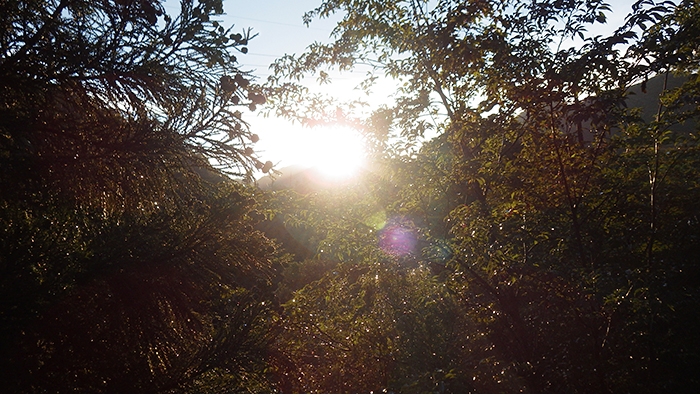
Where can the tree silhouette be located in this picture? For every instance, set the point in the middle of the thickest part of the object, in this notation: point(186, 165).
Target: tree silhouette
point(128, 258)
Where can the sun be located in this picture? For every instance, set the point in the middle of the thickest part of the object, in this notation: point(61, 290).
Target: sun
point(335, 151)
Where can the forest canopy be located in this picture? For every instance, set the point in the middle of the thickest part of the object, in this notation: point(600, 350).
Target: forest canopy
point(529, 222)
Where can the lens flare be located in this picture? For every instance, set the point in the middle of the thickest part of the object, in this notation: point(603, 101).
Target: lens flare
point(397, 240)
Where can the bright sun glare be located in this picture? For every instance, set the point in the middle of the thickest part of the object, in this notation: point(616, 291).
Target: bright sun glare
point(335, 151)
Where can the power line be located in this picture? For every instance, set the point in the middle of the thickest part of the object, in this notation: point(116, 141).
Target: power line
point(263, 54)
point(279, 23)
point(176, 8)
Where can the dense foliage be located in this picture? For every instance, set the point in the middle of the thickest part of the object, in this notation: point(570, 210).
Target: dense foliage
point(127, 262)
point(530, 221)
point(545, 227)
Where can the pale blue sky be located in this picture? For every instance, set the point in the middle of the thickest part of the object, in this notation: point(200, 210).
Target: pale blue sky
point(279, 27)
point(280, 30)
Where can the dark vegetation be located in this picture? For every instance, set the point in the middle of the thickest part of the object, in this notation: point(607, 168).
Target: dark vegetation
point(530, 224)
